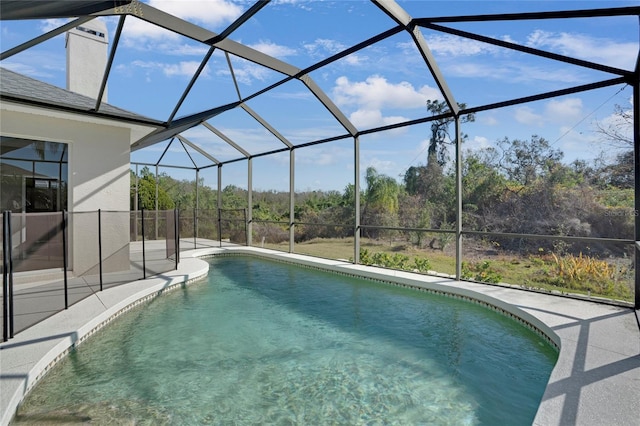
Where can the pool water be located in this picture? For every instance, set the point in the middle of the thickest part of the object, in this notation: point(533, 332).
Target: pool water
point(261, 342)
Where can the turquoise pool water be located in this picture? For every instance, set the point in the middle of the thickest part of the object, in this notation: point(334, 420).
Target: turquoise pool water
point(267, 343)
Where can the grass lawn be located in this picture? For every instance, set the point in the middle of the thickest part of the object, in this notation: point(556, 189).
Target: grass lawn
point(539, 272)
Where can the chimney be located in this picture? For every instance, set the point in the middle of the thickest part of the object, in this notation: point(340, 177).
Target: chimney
point(87, 58)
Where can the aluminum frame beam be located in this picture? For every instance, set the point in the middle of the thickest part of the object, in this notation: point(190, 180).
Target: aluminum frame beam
point(198, 149)
point(398, 14)
point(636, 177)
point(44, 37)
point(179, 126)
point(227, 139)
point(563, 14)
point(38, 9)
point(112, 54)
point(529, 50)
point(266, 125)
point(179, 26)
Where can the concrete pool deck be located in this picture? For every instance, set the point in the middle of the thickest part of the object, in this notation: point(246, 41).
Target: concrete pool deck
point(596, 380)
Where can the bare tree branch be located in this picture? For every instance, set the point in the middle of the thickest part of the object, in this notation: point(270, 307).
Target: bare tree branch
point(618, 131)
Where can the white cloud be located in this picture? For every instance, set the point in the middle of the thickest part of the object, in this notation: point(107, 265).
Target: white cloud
point(355, 59)
point(526, 73)
point(567, 112)
point(369, 118)
point(369, 97)
point(183, 49)
point(422, 147)
point(209, 12)
point(183, 68)
point(142, 35)
point(526, 115)
point(477, 142)
point(617, 123)
point(600, 50)
point(246, 72)
point(34, 71)
point(302, 95)
point(563, 110)
point(47, 25)
point(472, 69)
point(273, 49)
point(451, 45)
point(376, 92)
point(382, 166)
point(322, 47)
point(323, 155)
point(287, 1)
point(513, 72)
point(489, 120)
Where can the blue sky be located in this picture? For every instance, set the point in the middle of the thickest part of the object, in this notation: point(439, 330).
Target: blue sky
point(382, 84)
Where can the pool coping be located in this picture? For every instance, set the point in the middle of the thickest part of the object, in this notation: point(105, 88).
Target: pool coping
point(595, 381)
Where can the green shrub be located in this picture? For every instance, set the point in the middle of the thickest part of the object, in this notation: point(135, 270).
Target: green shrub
point(422, 264)
point(481, 272)
point(365, 257)
point(394, 261)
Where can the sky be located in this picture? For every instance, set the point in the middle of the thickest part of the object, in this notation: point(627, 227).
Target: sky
point(382, 84)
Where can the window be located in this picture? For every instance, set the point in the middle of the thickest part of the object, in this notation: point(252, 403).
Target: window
point(33, 175)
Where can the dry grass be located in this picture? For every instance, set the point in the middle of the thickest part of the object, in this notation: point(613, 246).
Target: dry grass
point(530, 272)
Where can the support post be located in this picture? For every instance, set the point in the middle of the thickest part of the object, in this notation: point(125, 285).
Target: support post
point(195, 228)
point(10, 293)
point(636, 154)
point(356, 190)
point(249, 215)
point(219, 204)
point(458, 199)
point(144, 264)
point(157, 196)
point(6, 273)
point(100, 245)
point(64, 258)
point(176, 234)
point(135, 208)
point(292, 205)
point(246, 227)
point(195, 211)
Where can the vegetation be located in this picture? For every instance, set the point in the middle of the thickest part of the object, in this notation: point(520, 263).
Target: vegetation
point(516, 186)
point(394, 261)
point(480, 271)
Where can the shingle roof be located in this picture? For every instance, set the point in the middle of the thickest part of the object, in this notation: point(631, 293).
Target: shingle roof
point(22, 87)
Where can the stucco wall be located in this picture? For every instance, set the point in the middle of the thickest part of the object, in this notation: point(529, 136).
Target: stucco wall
point(87, 58)
point(98, 178)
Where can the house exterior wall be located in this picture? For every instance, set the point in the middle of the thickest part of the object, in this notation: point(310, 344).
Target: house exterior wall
point(98, 178)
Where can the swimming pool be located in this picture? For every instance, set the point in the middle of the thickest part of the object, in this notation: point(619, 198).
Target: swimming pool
point(265, 342)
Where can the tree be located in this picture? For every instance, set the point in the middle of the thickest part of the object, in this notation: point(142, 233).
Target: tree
point(380, 205)
point(147, 192)
point(618, 130)
point(525, 161)
point(233, 197)
point(621, 173)
point(482, 185)
point(428, 180)
point(382, 192)
point(440, 135)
